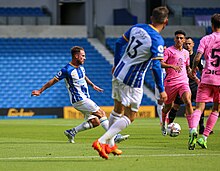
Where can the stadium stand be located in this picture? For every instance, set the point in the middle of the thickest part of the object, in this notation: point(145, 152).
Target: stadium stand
point(21, 11)
point(190, 12)
point(24, 16)
point(28, 63)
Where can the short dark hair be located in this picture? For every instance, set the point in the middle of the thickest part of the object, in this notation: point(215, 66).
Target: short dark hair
point(215, 20)
point(189, 38)
point(159, 14)
point(75, 50)
point(180, 32)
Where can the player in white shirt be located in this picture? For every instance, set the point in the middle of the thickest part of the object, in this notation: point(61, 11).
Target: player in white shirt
point(77, 86)
point(144, 45)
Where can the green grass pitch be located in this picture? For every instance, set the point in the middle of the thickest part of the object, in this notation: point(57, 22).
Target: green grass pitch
point(40, 145)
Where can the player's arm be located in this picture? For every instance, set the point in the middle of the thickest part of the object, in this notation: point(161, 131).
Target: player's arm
point(121, 41)
point(196, 61)
point(158, 76)
point(89, 82)
point(190, 75)
point(165, 65)
point(45, 86)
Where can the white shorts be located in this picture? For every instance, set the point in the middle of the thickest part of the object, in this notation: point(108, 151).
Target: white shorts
point(86, 107)
point(127, 95)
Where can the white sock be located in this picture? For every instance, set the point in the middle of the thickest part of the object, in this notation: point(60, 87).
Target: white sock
point(204, 137)
point(117, 127)
point(111, 142)
point(84, 126)
point(159, 112)
point(192, 130)
point(104, 122)
point(113, 117)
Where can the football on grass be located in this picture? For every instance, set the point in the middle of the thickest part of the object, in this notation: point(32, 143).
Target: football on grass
point(173, 129)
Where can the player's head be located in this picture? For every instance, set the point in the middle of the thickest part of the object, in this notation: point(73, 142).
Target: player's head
point(78, 54)
point(215, 20)
point(179, 38)
point(189, 44)
point(160, 16)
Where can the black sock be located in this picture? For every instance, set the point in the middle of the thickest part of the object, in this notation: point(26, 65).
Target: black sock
point(201, 121)
point(172, 115)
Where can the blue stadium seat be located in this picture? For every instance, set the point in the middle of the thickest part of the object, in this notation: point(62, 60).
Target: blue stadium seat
point(21, 11)
point(190, 12)
point(28, 63)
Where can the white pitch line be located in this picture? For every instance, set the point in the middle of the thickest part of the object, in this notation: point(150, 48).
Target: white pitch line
point(88, 157)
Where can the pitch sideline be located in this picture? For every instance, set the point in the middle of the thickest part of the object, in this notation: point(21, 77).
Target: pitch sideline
point(88, 157)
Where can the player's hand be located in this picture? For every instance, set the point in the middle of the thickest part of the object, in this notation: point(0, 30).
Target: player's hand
point(97, 88)
point(177, 68)
point(36, 93)
point(193, 72)
point(163, 96)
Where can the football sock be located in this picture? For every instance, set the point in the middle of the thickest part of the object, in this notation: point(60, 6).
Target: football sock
point(201, 121)
point(83, 126)
point(159, 112)
point(163, 117)
point(189, 121)
point(195, 118)
point(104, 122)
point(118, 126)
point(204, 137)
point(172, 115)
point(111, 142)
point(113, 117)
point(211, 121)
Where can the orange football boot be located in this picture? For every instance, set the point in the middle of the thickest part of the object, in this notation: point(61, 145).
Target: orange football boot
point(100, 148)
point(114, 150)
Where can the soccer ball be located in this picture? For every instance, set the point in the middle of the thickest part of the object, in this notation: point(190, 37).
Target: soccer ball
point(173, 129)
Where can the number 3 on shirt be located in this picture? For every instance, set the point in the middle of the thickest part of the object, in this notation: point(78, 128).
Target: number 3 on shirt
point(134, 48)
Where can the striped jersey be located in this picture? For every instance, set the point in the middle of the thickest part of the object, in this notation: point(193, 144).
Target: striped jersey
point(144, 44)
point(75, 82)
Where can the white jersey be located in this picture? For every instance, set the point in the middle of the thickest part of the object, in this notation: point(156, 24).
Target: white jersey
point(75, 82)
point(144, 44)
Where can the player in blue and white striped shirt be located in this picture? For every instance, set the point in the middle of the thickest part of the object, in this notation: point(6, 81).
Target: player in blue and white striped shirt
point(144, 45)
point(77, 86)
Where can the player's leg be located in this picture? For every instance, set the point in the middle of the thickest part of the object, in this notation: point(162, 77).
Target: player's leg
point(195, 121)
point(160, 104)
point(159, 107)
point(201, 124)
point(174, 109)
point(101, 145)
point(90, 123)
point(201, 97)
point(193, 99)
point(98, 117)
point(211, 121)
point(171, 95)
point(186, 97)
point(116, 112)
point(165, 111)
point(131, 99)
point(185, 94)
point(114, 116)
point(213, 117)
